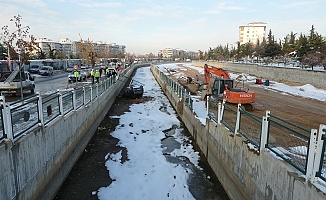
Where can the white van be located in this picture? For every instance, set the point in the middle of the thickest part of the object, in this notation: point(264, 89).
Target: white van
point(46, 71)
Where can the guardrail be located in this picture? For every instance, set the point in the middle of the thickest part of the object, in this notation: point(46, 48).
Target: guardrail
point(18, 118)
point(180, 90)
point(302, 148)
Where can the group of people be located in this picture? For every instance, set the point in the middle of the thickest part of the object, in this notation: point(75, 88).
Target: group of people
point(96, 74)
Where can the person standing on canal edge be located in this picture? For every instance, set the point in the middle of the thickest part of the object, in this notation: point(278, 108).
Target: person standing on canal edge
point(92, 75)
point(76, 74)
point(97, 76)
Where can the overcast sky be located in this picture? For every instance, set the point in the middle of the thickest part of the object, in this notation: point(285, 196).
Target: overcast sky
point(145, 26)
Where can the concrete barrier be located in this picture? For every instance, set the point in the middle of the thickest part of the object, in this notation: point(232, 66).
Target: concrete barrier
point(315, 78)
point(243, 172)
point(35, 166)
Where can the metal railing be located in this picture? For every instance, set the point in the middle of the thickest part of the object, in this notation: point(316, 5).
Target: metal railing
point(304, 149)
point(322, 166)
point(50, 107)
point(23, 115)
point(250, 126)
point(80, 98)
point(180, 90)
point(2, 133)
point(288, 141)
point(19, 117)
point(229, 117)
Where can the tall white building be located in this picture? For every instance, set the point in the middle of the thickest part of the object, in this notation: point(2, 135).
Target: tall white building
point(253, 32)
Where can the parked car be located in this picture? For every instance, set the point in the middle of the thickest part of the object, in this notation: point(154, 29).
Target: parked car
point(46, 71)
point(70, 69)
point(72, 78)
point(34, 69)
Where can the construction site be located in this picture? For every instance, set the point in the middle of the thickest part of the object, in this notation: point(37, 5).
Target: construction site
point(303, 111)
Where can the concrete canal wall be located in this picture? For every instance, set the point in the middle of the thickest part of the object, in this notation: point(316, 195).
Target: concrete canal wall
point(315, 78)
point(35, 166)
point(243, 173)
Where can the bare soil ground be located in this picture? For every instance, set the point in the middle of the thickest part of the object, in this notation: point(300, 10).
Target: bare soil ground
point(305, 112)
point(90, 173)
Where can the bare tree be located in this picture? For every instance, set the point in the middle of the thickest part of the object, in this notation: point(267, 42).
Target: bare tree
point(87, 50)
point(19, 43)
point(323, 63)
point(312, 59)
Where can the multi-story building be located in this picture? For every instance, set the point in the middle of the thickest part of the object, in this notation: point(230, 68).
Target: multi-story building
point(177, 53)
point(116, 49)
point(68, 47)
point(252, 33)
point(168, 53)
point(45, 45)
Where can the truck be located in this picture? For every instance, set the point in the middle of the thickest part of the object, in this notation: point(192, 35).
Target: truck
point(11, 82)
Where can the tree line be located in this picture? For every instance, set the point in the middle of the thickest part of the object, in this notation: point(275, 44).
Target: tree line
point(309, 50)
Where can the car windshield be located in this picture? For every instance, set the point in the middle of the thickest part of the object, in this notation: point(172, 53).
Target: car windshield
point(44, 68)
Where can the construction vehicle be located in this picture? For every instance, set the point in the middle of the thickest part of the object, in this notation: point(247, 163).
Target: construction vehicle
point(222, 87)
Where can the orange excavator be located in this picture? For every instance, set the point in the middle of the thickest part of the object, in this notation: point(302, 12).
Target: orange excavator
point(222, 88)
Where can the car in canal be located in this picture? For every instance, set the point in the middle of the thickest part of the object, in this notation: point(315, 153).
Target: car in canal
point(134, 90)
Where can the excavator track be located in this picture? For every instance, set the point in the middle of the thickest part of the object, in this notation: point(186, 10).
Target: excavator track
point(248, 107)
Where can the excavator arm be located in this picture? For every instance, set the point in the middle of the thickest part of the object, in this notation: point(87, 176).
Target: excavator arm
point(208, 70)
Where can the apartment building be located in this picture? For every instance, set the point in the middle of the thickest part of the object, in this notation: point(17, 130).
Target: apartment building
point(177, 53)
point(252, 33)
point(46, 45)
point(69, 47)
point(168, 53)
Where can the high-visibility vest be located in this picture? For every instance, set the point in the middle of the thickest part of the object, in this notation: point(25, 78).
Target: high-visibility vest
point(92, 73)
point(97, 74)
point(76, 73)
